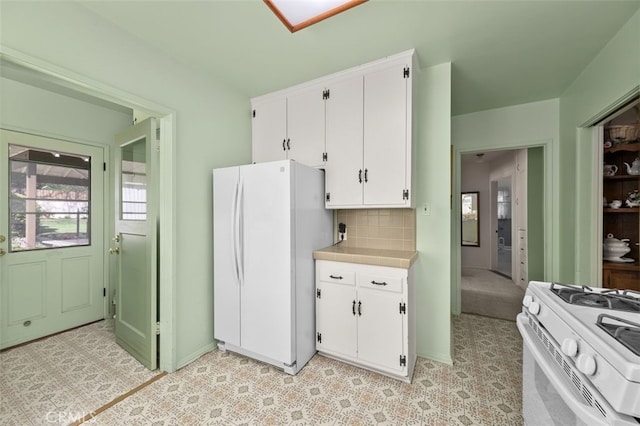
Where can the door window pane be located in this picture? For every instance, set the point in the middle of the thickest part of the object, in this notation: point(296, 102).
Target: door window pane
point(49, 205)
point(133, 191)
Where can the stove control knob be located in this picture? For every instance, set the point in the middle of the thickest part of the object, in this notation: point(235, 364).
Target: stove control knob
point(569, 347)
point(586, 364)
point(534, 308)
point(527, 300)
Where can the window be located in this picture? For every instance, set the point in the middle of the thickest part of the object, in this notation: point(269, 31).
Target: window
point(49, 199)
point(133, 189)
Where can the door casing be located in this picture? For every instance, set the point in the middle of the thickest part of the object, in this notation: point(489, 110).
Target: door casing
point(167, 165)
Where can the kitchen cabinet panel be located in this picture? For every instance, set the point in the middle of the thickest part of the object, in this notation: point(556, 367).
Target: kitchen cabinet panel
point(344, 116)
point(380, 315)
point(338, 332)
point(269, 130)
point(306, 126)
point(289, 127)
point(356, 124)
point(365, 324)
point(386, 137)
point(377, 172)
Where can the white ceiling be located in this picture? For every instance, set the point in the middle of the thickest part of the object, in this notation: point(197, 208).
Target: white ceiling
point(503, 52)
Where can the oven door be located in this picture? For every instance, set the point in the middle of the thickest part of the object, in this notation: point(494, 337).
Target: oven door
point(553, 392)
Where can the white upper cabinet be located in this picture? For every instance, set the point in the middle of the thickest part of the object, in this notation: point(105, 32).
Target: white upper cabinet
point(343, 168)
point(289, 127)
point(269, 130)
point(356, 124)
point(305, 126)
point(387, 137)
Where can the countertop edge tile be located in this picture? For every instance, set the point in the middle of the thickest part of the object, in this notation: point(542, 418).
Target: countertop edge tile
point(380, 257)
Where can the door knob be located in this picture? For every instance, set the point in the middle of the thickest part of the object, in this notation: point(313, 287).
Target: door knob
point(3, 238)
point(2, 252)
point(114, 250)
point(117, 238)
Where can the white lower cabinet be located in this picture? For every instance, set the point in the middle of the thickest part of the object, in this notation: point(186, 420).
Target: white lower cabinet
point(365, 316)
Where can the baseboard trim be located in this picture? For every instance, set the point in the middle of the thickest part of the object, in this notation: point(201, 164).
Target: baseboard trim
point(183, 362)
point(438, 358)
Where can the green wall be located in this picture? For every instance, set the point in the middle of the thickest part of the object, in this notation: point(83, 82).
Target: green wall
point(611, 76)
point(528, 125)
point(212, 124)
point(433, 238)
point(535, 213)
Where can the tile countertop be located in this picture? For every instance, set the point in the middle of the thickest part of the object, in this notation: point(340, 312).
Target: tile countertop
point(381, 257)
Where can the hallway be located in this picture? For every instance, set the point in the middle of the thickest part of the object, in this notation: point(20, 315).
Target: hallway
point(489, 294)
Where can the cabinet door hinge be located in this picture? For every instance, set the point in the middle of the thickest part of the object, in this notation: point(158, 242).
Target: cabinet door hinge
point(158, 328)
point(104, 167)
point(403, 360)
point(319, 337)
point(104, 292)
point(403, 308)
point(327, 196)
point(253, 113)
point(405, 194)
point(405, 72)
point(318, 294)
point(324, 156)
point(326, 94)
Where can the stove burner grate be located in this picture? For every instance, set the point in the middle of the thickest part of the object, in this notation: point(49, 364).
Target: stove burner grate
point(617, 300)
point(627, 332)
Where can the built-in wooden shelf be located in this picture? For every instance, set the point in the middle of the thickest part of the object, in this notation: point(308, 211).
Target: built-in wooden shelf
point(622, 177)
point(631, 146)
point(619, 266)
point(622, 210)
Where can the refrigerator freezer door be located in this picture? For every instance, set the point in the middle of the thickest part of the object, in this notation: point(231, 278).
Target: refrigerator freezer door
point(226, 291)
point(267, 292)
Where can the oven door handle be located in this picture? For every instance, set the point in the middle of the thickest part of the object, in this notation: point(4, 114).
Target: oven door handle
point(581, 409)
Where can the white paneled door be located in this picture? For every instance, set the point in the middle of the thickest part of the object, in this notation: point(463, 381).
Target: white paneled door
point(135, 243)
point(51, 236)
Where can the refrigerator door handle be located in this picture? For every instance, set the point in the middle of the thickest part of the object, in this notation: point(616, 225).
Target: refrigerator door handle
point(236, 230)
point(239, 249)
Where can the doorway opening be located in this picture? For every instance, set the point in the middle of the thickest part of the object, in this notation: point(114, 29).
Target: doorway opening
point(38, 73)
point(510, 188)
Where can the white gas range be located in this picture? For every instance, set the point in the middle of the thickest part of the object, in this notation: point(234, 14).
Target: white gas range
point(581, 355)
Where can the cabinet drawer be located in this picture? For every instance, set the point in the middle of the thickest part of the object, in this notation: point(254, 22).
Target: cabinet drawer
point(380, 282)
point(333, 273)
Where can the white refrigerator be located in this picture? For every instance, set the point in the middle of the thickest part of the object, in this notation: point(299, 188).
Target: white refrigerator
point(268, 218)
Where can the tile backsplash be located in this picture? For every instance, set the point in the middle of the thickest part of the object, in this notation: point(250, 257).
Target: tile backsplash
point(392, 229)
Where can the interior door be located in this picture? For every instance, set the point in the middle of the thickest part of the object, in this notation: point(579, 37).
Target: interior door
point(51, 236)
point(135, 242)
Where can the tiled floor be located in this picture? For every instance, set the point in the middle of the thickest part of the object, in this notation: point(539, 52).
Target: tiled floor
point(62, 378)
point(482, 388)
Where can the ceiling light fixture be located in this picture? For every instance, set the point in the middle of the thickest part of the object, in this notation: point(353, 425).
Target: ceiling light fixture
point(299, 14)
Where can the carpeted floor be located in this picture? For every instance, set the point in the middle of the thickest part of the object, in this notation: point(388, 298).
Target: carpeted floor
point(489, 294)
